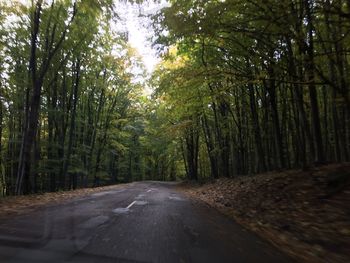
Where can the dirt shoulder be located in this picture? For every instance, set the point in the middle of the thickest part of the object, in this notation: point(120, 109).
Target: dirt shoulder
point(15, 205)
point(304, 213)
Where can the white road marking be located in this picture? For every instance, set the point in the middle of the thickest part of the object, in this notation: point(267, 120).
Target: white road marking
point(125, 210)
point(150, 190)
point(130, 205)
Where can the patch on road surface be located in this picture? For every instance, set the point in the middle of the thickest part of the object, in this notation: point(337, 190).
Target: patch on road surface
point(94, 222)
point(107, 193)
point(176, 198)
point(121, 210)
point(141, 202)
point(140, 196)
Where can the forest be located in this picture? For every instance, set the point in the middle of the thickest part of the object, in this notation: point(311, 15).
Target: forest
point(243, 87)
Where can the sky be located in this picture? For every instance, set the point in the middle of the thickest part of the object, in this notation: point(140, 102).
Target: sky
point(139, 28)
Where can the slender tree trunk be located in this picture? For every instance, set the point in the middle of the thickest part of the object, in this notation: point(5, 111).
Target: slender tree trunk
point(225, 138)
point(279, 145)
point(184, 157)
point(2, 170)
point(65, 107)
point(1, 122)
point(210, 147)
point(297, 94)
point(256, 129)
point(192, 146)
point(72, 126)
point(310, 69)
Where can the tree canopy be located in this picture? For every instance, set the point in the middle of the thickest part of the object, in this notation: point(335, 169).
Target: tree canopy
point(256, 86)
point(243, 87)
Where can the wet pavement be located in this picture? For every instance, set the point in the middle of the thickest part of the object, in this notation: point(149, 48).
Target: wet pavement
point(141, 222)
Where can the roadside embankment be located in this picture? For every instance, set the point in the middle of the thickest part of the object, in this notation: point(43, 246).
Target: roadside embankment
point(304, 213)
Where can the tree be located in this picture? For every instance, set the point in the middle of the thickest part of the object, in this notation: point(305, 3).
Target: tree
point(69, 92)
point(260, 68)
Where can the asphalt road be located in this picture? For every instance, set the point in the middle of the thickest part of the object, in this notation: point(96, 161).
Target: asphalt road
point(141, 222)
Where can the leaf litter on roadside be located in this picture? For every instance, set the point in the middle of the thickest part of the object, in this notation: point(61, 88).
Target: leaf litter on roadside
point(305, 213)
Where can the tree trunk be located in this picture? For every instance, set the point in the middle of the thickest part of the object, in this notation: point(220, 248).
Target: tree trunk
point(210, 147)
point(72, 127)
point(192, 146)
point(32, 113)
point(310, 69)
point(256, 129)
point(271, 88)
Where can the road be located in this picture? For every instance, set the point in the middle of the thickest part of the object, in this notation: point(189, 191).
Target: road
point(139, 222)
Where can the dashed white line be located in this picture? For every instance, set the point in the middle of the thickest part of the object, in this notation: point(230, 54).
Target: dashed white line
point(140, 196)
point(130, 205)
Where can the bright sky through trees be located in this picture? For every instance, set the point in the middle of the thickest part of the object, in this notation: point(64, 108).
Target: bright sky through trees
point(135, 20)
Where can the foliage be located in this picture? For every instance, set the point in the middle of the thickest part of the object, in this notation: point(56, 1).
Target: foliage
point(243, 87)
point(255, 86)
point(63, 60)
